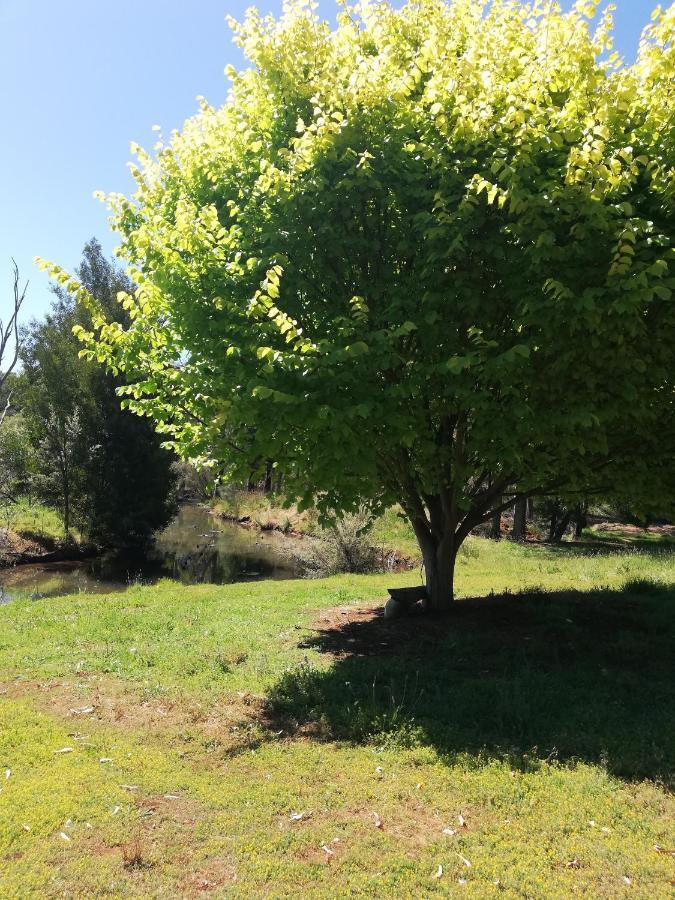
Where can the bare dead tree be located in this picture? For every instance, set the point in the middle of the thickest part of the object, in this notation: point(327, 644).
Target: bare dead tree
point(9, 338)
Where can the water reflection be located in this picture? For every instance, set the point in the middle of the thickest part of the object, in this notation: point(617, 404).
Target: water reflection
point(195, 548)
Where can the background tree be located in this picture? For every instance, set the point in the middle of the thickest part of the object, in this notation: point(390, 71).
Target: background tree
point(425, 257)
point(17, 460)
point(101, 466)
point(10, 344)
point(53, 398)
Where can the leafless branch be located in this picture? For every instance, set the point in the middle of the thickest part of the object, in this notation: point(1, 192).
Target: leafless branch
point(9, 337)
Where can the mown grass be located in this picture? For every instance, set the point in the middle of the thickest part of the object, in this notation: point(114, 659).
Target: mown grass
point(542, 716)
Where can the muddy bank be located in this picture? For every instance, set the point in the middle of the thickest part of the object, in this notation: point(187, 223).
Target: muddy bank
point(27, 548)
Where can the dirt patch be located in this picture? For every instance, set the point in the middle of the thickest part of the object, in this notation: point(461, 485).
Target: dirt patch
point(230, 725)
point(364, 631)
point(28, 548)
point(634, 531)
point(14, 546)
point(212, 876)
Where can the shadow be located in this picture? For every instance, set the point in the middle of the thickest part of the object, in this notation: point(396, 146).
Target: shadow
point(552, 676)
point(604, 546)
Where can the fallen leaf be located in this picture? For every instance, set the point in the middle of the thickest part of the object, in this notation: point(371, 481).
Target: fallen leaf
point(26, 827)
point(439, 872)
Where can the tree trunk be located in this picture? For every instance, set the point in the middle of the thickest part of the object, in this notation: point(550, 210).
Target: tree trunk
point(496, 526)
point(439, 572)
point(553, 523)
point(561, 528)
point(66, 510)
point(267, 488)
point(581, 521)
point(439, 566)
point(519, 520)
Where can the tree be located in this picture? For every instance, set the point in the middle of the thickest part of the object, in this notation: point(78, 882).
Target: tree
point(52, 400)
point(17, 460)
point(424, 257)
point(10, 344)
point(519, 532)
point(103, 467)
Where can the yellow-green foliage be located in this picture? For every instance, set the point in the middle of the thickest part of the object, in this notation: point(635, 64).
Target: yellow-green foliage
point(544, 722)
point(422, 254)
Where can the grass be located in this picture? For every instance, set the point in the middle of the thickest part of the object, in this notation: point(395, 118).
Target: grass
point(537, 725)
point(265, 511)
point(635, 537)
point(32, 520)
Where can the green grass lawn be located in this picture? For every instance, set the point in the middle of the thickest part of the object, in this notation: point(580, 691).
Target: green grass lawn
point(279, 737)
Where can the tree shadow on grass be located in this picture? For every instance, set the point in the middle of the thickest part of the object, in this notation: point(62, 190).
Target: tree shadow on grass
point(565, 675)
point(608, 547)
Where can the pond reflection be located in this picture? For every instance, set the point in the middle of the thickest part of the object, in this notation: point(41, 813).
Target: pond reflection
point(195, 548)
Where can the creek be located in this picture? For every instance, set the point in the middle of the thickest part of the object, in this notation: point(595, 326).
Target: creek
point(195, 548)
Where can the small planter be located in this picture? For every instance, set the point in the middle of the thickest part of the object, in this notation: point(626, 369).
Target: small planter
point(401, 600)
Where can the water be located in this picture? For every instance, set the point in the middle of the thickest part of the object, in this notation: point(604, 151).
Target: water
point(195, 548)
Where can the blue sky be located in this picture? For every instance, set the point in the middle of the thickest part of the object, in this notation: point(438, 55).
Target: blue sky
point(80, 79)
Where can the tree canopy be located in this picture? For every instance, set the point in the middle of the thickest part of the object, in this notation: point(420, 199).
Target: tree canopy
point(424, 256)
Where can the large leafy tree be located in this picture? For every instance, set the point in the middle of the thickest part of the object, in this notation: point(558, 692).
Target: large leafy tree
point(425, 256)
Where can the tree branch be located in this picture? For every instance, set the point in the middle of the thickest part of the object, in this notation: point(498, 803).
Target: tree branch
point(9, 333)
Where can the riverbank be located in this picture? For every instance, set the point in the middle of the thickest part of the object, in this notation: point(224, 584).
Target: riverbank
point(393, 535)
point(275, 737)
point(31, 533)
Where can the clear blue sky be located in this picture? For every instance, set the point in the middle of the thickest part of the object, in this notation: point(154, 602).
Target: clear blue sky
point(80, 79)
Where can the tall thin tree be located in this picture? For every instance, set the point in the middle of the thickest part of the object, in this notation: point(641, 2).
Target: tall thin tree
point(10, 340)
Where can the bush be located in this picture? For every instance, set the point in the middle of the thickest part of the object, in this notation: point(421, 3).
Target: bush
point(343, 547)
